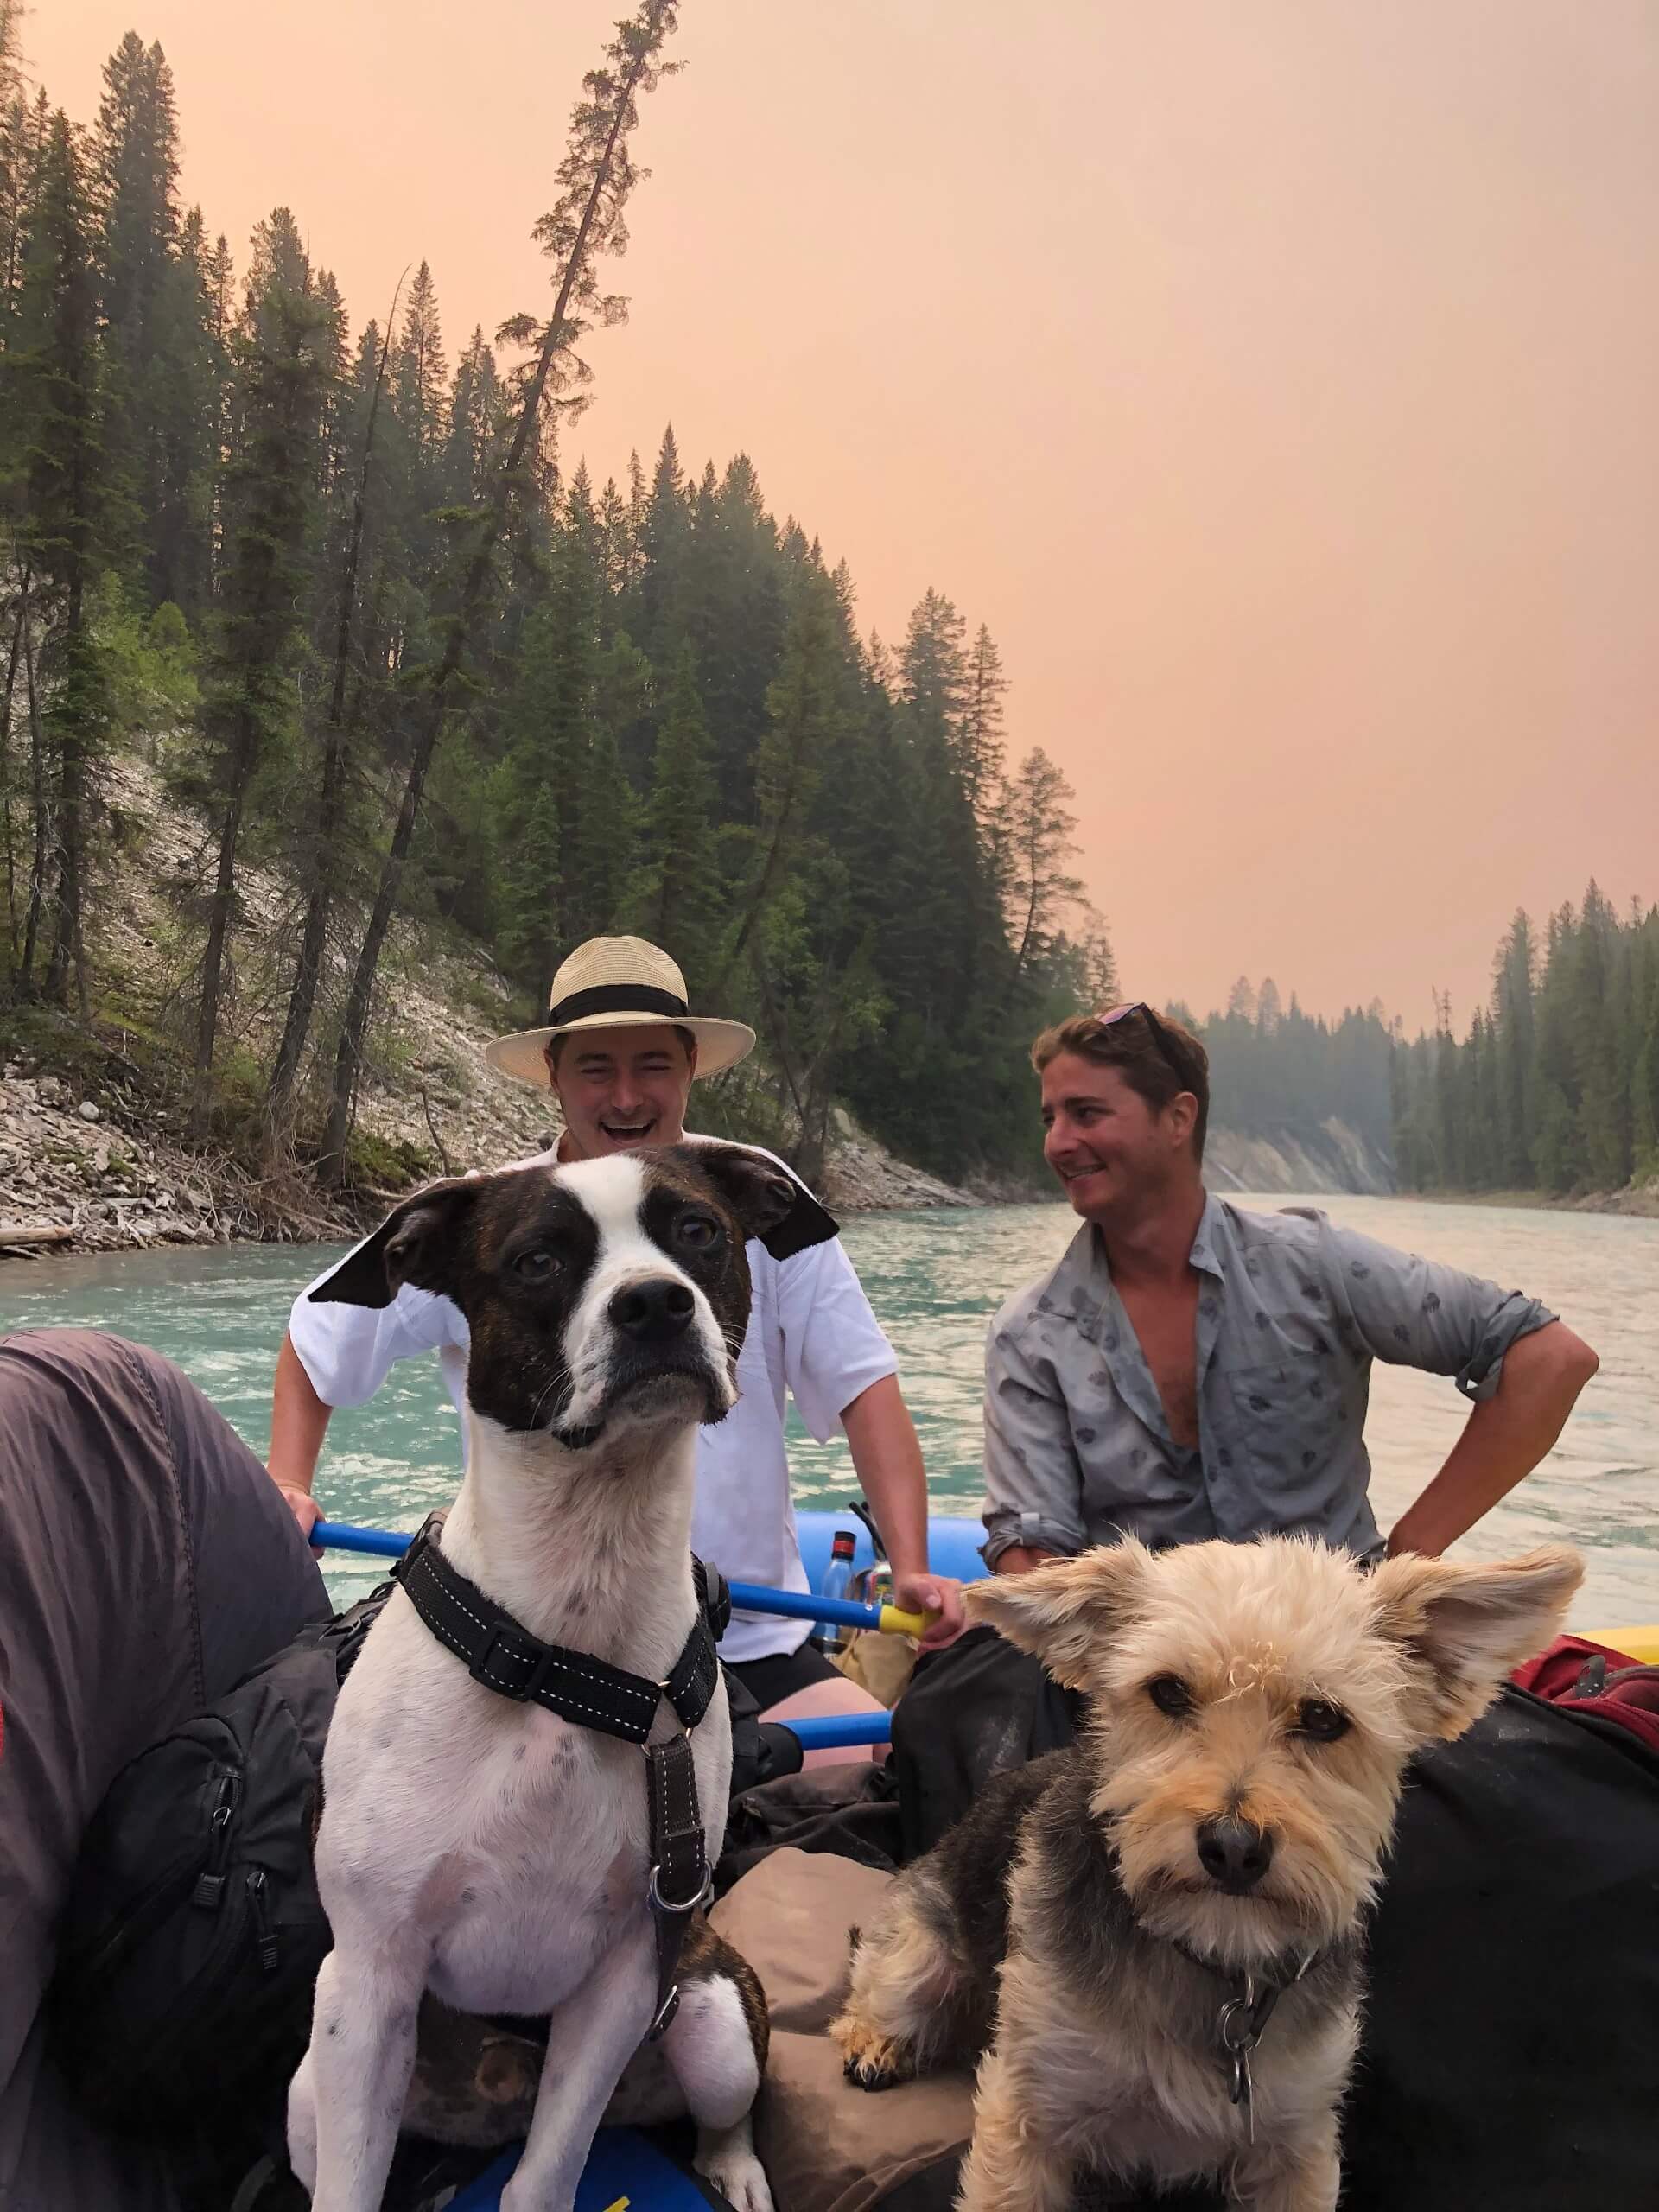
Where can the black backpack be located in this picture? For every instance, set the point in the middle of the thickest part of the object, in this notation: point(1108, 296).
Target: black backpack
point(194, 1932)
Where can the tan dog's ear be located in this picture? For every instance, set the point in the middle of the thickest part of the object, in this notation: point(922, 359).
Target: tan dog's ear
point(1465, 1628)
point(1064, 1611)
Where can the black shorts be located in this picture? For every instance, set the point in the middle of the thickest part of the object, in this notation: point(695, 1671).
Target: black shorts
point(780, 1674)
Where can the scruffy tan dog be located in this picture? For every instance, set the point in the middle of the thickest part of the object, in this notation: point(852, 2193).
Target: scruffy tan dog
point(1158, 1931)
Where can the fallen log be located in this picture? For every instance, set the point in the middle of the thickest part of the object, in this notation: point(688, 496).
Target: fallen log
point(16, 1237)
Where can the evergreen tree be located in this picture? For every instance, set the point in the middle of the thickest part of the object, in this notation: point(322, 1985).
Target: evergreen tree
point(1513, 985)
point(73, 521)
point(136, 155)
point(933, 676)
point(981, 743)
point(475, 419)
point(1040, 842)
point(250, 698)
point(665, 535)
point(323, 865)
point(680, 897)
point(21, 136)
point(185, 390)
point(419, 374)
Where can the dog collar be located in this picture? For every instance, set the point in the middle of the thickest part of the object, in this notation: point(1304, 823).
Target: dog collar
point(1245, 2012)
point(591, 1693)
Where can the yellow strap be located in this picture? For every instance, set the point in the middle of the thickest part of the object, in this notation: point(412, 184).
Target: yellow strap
point(620, 2205)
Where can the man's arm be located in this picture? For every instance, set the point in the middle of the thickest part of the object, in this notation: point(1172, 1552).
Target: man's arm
point(299, 1421)
point(840, 1368)
point(1522, 1368)
point(1020, 1559)
point(888, 1458)
point(1503, 1440)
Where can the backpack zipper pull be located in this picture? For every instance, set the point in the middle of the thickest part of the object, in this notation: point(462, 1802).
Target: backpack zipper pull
point(267, 1939)
point(210, 1883)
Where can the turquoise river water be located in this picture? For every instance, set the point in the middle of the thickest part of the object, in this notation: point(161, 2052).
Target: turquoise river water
point(933, 1279)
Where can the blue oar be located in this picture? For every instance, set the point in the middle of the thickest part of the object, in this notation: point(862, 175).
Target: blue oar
point(830, 1732)
point(747, 1597)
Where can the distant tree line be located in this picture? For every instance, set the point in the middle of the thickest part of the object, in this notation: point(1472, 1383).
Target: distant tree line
point(347, 598)
point(1556, 1086)
point(1274, 1070)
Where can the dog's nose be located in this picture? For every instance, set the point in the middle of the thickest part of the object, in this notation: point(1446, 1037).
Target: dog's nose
point(654, 1311)
point(1235, 1854)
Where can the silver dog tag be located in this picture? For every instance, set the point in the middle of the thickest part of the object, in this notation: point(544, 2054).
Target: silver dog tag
point(1243, 2092)
point(1239, 2036)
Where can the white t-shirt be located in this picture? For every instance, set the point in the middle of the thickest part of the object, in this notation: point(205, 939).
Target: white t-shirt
point(810, 1333)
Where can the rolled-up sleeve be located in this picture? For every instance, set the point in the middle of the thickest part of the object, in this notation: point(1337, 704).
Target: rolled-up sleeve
point(1033, 1485)
point(833, 1346)
point(1417, 1312)
point(349, 1351)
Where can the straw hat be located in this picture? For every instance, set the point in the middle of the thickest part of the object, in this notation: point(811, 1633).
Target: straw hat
point(618, 982)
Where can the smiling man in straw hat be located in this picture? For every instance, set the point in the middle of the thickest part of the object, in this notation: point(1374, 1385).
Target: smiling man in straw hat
point(620, 1049)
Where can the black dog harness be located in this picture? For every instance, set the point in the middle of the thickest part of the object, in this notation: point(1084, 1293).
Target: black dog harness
point(591, 1693)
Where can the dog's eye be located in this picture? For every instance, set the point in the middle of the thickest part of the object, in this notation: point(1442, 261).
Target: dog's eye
point(699, 1232)
point(1171, 1695)
point(534, 1266)
point(1321, 1720)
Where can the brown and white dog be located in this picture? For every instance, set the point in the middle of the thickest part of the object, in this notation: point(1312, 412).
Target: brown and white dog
point(486, 1856)
point(1155, 1937)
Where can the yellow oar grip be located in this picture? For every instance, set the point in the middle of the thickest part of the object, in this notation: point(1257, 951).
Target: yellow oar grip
point(894, 1623)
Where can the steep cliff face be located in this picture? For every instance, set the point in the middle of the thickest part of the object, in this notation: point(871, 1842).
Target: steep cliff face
point(1333, 1158)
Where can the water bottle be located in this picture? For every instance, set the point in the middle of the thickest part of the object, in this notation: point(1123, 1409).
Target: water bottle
point(830, 1637)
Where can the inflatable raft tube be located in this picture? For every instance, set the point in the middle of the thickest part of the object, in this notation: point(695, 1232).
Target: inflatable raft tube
point(624, 2173)
point(953, 1543)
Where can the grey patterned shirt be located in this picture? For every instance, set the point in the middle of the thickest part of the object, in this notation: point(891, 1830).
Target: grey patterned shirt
point(1291, 1312)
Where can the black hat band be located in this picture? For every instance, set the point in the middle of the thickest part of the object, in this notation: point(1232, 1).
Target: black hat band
point(616, 998)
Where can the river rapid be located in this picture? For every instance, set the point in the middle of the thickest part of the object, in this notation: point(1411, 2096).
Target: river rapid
point(934, 1278)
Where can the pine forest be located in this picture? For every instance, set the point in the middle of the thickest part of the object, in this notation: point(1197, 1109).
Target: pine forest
point(336, 581)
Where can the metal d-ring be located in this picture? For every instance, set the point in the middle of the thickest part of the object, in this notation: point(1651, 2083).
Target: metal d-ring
point(660, 1904)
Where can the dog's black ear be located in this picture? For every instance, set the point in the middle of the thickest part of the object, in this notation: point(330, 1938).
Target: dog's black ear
point(768, 1202)
point(414, 1243)
point(1065, 1610)
point(1464, 1629)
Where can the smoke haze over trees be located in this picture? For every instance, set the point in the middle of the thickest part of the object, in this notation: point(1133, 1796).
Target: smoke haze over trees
point(334, 580)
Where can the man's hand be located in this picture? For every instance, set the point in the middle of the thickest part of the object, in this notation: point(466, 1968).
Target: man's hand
point(888, 1460)
point(932, 1593)
point(305, 1509)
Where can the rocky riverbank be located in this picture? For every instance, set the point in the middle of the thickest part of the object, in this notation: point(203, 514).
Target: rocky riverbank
point(76, 1174)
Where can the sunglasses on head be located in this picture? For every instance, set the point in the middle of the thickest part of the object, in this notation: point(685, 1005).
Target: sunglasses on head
point(1156, 1030)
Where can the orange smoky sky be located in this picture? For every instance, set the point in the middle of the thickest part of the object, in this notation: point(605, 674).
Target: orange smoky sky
point(1279, 385)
